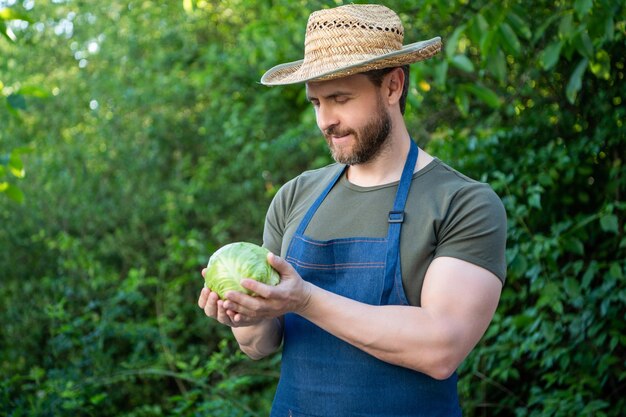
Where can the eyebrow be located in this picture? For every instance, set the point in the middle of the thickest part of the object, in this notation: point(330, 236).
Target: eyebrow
point(331, 96)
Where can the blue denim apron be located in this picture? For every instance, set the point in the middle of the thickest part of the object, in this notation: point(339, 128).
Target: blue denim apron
point(322, 375)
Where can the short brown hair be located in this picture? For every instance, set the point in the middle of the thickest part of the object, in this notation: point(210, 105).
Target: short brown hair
point(376, 77)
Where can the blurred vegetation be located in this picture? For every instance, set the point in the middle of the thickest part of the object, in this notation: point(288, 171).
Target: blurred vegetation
point(135, 140)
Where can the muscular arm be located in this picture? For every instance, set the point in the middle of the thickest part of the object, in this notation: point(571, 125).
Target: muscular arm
point(458, 302)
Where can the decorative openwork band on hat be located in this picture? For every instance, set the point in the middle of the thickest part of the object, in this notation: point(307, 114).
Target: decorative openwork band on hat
point(348, 40)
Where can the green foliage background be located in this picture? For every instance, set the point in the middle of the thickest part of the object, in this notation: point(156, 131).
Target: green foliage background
point(135, 140)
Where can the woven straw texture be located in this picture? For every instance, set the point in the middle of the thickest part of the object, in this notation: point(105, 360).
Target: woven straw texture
point(350, 39)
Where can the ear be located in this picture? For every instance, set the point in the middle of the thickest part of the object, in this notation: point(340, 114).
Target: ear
point(393, 85)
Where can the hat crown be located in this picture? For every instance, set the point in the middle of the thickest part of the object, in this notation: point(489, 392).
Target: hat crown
point(353, 30)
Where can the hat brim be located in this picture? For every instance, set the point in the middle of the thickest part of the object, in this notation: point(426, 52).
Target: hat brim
point(291, 72)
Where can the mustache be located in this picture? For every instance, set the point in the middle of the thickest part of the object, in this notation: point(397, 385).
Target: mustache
point(335, 131)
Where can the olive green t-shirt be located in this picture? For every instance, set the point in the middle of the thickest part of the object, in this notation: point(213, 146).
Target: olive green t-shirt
point(446, 214)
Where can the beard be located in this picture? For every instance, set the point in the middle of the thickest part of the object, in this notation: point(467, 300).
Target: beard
point(369, 140)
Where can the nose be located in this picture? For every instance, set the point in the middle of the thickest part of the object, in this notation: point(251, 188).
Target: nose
point(326, 117)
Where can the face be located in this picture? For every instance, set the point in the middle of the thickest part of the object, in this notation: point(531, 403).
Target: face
point(351, 114)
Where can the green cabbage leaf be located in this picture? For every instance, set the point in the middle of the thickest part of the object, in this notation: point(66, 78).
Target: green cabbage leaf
point(236, 261)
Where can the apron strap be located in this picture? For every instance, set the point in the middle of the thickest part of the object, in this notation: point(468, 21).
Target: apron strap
point(395, 219)
point(311, 212)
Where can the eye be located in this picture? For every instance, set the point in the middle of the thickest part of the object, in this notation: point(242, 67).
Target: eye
point(341, 99)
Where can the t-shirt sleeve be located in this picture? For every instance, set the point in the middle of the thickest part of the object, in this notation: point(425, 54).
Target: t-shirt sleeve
point(474, 229)
point(274, 223)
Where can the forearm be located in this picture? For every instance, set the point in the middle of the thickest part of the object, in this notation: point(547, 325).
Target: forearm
point(411, 337)
point(261, 339)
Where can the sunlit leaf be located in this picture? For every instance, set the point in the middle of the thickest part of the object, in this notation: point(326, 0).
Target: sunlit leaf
point(601, 65)
point(14, 193)
point(12, 14)
point(16, 166)
point(575, 82)
point(188, 6)
point(7, 32)
point(34, 91)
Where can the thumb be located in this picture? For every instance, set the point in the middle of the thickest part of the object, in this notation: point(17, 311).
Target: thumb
point(279, 264)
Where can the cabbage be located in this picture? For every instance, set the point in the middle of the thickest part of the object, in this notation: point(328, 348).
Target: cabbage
point(236, 261)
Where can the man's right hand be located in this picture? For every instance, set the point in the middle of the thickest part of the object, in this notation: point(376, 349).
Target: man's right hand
point(213, 307)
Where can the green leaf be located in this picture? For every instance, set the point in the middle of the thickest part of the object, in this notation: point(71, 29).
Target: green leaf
point(582, 7)
point(539, 32)
point(462, 102)
point(34, 91)
point(589, 274)
point(16, 102)
point(519, 25)
point(463, 63)
point(572, 288)
point(188, 6)
point(12, 14)
point(486, 42)
point(484, 94)
point(601, 65)
point(574, 245)
point(575, 82)
point(453, 41)
point(565, 27)
point(496, 64)
point(609, 223)
point(16, 167)
point(535, 200)
point(584, 45)
point(609, 28)
point(13, 193)
point(550, 56)
point(7, 32)
point(441, 73)
point(510, 39)
point(616, 270)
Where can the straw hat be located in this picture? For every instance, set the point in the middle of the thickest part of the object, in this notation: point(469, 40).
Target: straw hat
point(351, 39)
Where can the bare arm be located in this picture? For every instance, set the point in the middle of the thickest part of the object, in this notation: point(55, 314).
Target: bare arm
point(458, 302)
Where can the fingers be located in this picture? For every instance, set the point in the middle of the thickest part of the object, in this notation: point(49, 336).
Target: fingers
point(258, 288)
point(204, 295)
point(279, 264)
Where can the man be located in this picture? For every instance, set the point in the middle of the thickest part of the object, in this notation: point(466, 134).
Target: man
point(391, 262)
